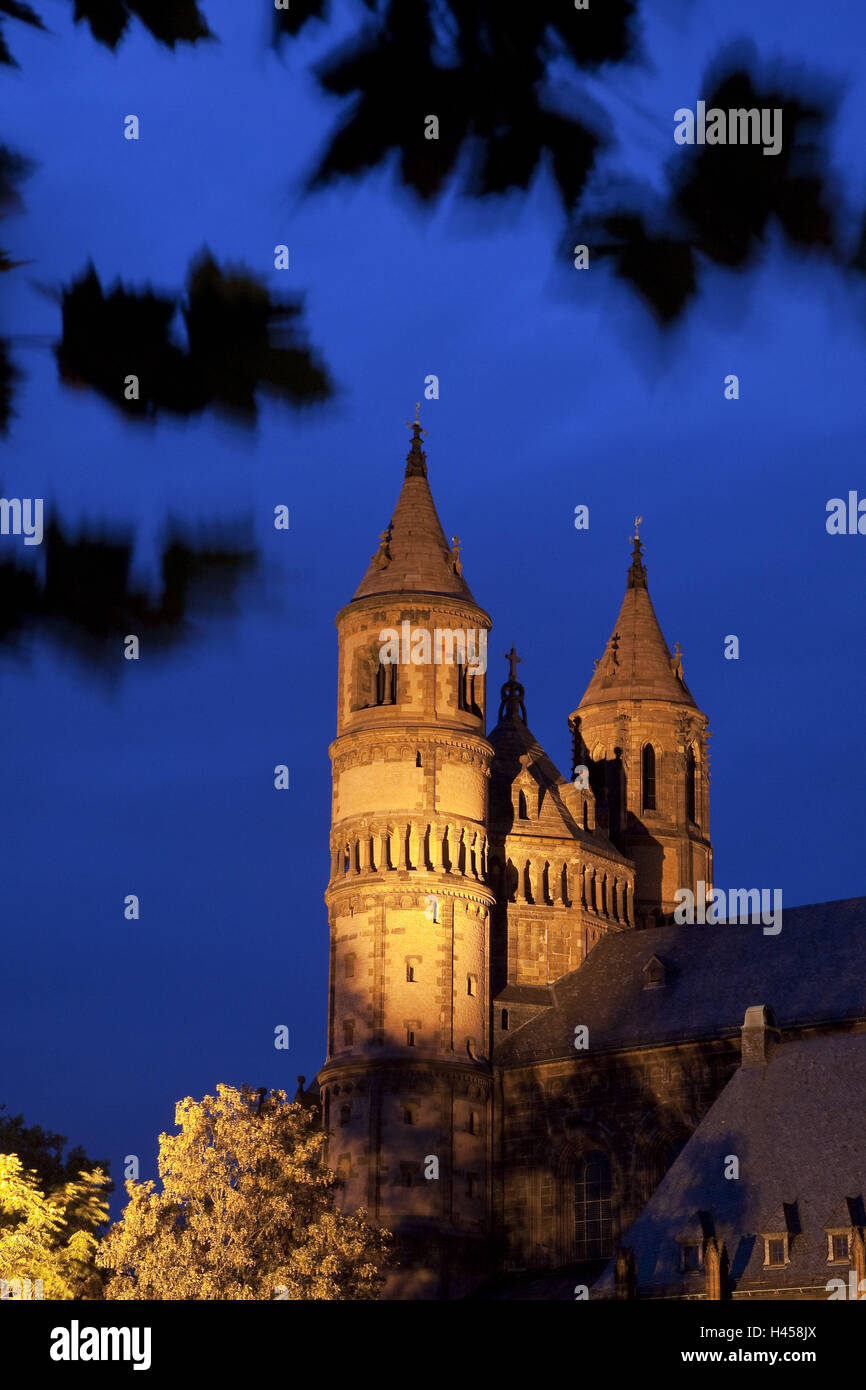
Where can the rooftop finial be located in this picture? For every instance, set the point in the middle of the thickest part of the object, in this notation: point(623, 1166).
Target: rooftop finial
point(416, 459)
point(637, 570)
point(511, 705)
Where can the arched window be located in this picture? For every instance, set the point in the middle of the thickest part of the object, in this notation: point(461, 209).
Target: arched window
point(473, 1122)
point(471, 985)
point(691, 805)
point(348, 1032)
point(648, 775)
point(593, 1230)
point(521, 806)
point(503, 1022)
point(345, 1115)
point(349, 965)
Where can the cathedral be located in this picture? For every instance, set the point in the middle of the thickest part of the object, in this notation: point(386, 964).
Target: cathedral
point(535, 1078)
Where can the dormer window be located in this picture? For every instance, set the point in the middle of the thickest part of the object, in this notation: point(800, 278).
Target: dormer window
point(776, 1249)
point(691, 1257)
point(655, 973)
point(839, 1247)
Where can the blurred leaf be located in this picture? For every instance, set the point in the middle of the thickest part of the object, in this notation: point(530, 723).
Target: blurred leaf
point(86, 600)
point(291, 21)
point(480, 71)
point(722, 200)
point(169, 21)
point(15, 10)
point(240, 341)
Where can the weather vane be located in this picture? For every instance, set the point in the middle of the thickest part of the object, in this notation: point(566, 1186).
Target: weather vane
point(417, 421)
point(637, 522)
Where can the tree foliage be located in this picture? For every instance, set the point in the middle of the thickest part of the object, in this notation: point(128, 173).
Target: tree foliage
point(721, 202)
point(246, 1211)
point(82, 595)
point(239, 340)
point(50, 1236)
point(43, 1152)
point(482, 70)
point(169, 21)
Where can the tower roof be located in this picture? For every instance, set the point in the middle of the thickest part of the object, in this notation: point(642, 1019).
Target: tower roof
point(637, 664)
point(413, 554)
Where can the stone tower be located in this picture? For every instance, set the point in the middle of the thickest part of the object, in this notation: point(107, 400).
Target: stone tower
point(644, 740)
point(406, 1087)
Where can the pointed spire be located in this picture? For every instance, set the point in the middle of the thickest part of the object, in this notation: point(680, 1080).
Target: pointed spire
point(636, 664)
point(637, 569)
point(512, 694)
point(416, 459)
point(413, 554)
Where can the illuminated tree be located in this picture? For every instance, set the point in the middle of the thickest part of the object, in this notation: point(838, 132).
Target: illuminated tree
point(246, 1212)
point(50, 1236)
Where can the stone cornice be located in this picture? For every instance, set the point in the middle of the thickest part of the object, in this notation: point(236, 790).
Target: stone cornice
point(353, 616)
point(376, 743)
point(404, 1073)
point(375, 891)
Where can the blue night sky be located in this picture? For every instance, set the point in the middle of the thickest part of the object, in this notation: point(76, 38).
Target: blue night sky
point(555, 390)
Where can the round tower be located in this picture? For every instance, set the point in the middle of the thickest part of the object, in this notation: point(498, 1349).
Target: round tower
point(407, 1081)
point(641, 734)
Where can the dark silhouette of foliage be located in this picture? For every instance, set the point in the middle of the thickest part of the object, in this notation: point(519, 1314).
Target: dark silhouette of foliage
point(291, 21)
point(169, 21)
point(86, 601)
point(14, 9)
point(239, 341)
point(13, 169)
point(723, 199)
point(481, 70)
point(42, 1151)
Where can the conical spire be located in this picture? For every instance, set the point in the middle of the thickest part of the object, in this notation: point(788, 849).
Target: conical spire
point(637, 664)
point(413, 554)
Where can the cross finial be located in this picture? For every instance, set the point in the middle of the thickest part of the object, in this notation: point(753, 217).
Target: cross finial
point(513, 659)
point(416, 461)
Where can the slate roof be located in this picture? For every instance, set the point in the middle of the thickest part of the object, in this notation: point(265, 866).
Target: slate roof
point(642, 668)
point(421, 560)
point(797, 1123)
point(813, 971)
